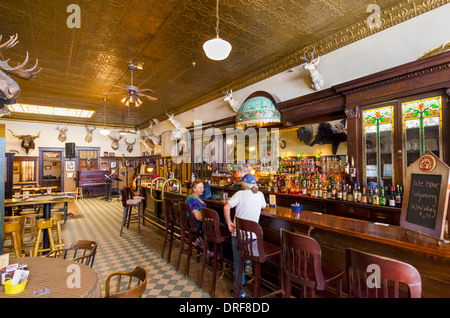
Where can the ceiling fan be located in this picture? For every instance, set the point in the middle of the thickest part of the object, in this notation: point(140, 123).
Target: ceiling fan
point(125, 131)
point(132, 99)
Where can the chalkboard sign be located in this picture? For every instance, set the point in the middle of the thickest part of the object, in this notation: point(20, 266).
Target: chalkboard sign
point(426, 196)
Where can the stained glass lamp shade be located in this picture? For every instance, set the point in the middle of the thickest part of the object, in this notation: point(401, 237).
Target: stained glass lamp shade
point(257, 111)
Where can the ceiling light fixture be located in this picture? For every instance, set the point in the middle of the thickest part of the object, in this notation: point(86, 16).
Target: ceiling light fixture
point(104, 131)
point(217, 49)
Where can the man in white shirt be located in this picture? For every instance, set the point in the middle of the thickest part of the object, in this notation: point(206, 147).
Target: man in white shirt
point(248, 203)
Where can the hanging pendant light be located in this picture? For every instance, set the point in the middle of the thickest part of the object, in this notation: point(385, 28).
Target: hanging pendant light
point(217, 49)
point(104, 131)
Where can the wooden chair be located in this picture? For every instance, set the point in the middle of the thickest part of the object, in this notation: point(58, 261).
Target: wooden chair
point(216, 235)
point(128, 215)
point(42, 225)
point(301, 262)
point(364, 267)
point(82, 251)
point(251, 246)
point(189, 232)
point(14, 229)
point(57, 218)
point(169, 213)
point(127, 291)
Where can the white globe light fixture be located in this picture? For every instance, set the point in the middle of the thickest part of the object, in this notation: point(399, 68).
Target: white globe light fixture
point(217, 49)
point(104, 132)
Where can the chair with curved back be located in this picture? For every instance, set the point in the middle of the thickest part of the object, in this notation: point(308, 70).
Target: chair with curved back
point(363, 268)
point(301, 262)
point(138, 276)
point(169, 213)
point(82, 251)
point(215, 234)
point(189, 232)
point(251, 246)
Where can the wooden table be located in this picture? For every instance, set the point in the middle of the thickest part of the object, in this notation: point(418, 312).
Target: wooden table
point(55, 273)
point(46, 200)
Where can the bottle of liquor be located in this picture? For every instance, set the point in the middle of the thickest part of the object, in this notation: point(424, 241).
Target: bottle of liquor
point(382, 198)
point(398, 198)
point(352, 168)
point(376, 197)
point(320, 191)
point(392, 197)
point(350, 194)
point(333, 192)
point(364, 196)
point(370, 196)
point(355, 193)
point(359, 193)
point(344, 193)
point(339, 191)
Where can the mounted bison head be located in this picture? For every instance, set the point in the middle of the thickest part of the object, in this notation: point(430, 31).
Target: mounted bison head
point(27, 141)
point(327, 133)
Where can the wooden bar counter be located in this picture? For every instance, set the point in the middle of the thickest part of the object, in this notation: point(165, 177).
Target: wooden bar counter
point(336, 233)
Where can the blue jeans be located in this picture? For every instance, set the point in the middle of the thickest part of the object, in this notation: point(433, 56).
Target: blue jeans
point(236, 258)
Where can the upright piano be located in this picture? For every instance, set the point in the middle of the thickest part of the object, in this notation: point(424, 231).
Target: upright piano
point(92, 180)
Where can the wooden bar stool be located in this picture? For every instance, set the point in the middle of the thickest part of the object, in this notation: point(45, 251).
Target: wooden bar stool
point(215, 234)
point(29, 222)
point(189, 232)
point(169, 213)
point(128, 215)
point(14, 229)
point(42, 225)
point(301, 262)
point(78, 193)
point(251, 246)
point(391, 272)
point(57, 218)
point(21, 220)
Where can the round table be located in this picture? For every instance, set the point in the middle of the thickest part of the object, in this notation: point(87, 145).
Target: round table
point(60, 275)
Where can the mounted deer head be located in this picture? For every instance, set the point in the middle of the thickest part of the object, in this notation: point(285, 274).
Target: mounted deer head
point(115, 141)
point(9, 89)
point(150, 140)
point(130, 145)
point(229, 98)
point(89, 129)
point(62, 134)
point(311, 66)
point(27, 140)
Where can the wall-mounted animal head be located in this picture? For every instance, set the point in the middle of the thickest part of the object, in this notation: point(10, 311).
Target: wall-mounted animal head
point(130, 145)
point(89, 129)
point(27, 141)
point(327, 133)
point(150, 140)
point(62, 134)
point(115, 141)
point(311, 66)
point(229, 98)
point(9, 89)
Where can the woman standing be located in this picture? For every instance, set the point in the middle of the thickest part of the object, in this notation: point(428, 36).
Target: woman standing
point(248, 202)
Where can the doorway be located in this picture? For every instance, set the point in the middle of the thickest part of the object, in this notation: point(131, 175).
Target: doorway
point(51, 168)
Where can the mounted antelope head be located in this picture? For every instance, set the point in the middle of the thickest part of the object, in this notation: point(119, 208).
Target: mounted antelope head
point(62, 134)
point(229, 98)
point(130, 145)
point(115, 141)
point(89, 129)
point(311, 66)
point(9, 89)
point(27, 140)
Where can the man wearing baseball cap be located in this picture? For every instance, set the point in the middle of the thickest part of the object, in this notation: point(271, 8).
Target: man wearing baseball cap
point(248, 203)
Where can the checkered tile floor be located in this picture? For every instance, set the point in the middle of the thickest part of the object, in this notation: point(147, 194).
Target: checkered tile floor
point(100, 222)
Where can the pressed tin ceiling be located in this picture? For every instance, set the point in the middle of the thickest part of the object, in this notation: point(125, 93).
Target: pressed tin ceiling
point(166, 36)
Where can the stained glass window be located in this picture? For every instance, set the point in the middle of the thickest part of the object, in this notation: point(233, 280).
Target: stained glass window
point(422, 128)
point(378, 128)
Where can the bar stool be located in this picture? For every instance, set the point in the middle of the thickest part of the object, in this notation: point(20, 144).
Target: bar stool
point(29, 222)
point(251, 246)
point(169, 213)
point(14, 229)
point(57, 217)
point(215, 234)
point(128, 215)
point(301, 263)
point(357, 263)
point(189, 231)
point(78, 193)
point(42, 225)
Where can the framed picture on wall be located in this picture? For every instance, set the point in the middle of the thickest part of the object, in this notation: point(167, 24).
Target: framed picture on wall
point(70, 166)
point(113, 164)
